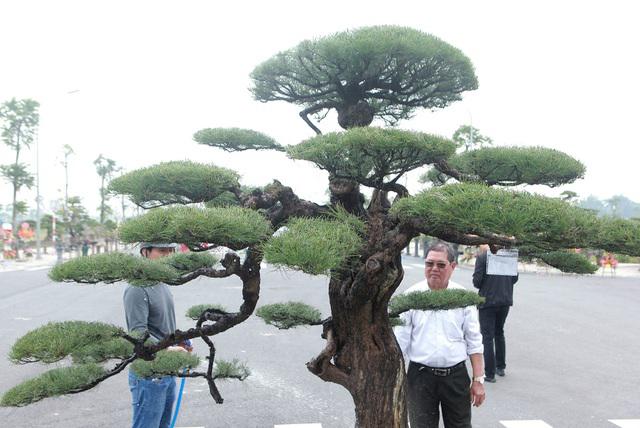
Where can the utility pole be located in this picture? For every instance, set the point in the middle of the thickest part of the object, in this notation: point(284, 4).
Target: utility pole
point(38, 198)
point(67, 152)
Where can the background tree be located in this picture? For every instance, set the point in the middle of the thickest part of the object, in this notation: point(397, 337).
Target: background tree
point(468, 138)
point(105, 168)
point(377, 72)
point(19, 120)
point(75, 220)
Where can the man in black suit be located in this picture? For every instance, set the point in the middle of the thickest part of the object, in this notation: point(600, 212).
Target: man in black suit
point(498, 292)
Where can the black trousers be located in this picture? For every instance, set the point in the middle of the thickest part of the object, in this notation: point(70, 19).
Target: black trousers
point(492, 327)
point(428, 391)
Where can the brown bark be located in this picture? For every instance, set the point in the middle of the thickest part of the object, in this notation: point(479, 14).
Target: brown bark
point(366, 350)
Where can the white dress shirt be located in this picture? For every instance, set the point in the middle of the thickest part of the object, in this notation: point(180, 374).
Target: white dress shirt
point(439, 338)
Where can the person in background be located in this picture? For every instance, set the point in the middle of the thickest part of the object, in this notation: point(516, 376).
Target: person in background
point(151, 309)
point(498, 292)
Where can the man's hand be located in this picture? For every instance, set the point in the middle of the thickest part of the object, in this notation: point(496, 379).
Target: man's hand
point(477, 394)
point(176, 349)
point(184, 346)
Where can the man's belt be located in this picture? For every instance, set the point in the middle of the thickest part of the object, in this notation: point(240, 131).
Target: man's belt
point(440, 371)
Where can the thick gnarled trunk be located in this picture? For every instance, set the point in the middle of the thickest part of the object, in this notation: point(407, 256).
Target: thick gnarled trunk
point(366, 350)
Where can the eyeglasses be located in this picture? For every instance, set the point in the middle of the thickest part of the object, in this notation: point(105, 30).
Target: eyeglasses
point(430, 265)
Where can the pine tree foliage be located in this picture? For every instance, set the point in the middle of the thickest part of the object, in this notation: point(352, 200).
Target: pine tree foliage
point(56, 340)
point(114, 267)
point(232, 227)
point(314, 246)
point(289, 314)
point(389, 70)
point(511, 166)
point(233, 369)
point(178, 182)
point(566, 261)
point(436, 300)
point(165, 363)
point(618, 236)
point(54, 382)
point(236, 139)
point(368, 155)
point(194, 312)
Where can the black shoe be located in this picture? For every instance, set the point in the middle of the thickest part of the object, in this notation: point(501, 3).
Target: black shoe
point(491, 379)
point(500, 372)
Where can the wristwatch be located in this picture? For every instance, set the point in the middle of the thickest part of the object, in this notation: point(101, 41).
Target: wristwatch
point(479, 379)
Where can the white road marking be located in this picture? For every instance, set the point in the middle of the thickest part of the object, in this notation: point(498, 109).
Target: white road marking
point(22, 319)
point(626, 423)
point(526, 424)
point(31, 269)
point(298, 426)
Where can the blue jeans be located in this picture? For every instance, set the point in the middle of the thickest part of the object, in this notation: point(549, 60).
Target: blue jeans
point(152, 400)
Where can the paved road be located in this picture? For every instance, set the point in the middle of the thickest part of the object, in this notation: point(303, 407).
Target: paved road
point(571, 348)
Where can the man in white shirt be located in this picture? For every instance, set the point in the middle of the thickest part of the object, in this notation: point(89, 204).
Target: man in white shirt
point(437, 344)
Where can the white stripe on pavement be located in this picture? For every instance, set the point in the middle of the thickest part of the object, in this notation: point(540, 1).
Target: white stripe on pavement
point(31, 269)
point(526, 424)
point(298, 426)
point(626, 423)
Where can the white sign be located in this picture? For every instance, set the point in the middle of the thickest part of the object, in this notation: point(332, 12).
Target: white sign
point(504, 262)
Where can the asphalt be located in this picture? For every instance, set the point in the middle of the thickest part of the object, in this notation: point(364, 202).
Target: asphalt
point(571, 341)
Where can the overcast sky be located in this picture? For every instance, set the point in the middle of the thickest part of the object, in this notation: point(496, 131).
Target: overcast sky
point(133, 80)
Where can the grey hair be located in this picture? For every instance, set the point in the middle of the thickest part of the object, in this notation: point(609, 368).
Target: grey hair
point(443, 247)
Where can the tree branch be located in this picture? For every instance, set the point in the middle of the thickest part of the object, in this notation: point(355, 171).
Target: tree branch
point(117, 369)
point(231, 263)
point(322, 367)
point(444, 167)
point(281, 203)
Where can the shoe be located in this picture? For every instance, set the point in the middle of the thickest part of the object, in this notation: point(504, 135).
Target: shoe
point(490, 379)
point(500, 372)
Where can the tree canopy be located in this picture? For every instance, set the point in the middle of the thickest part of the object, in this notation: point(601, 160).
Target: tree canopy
point(178, 182)
point(384, 71)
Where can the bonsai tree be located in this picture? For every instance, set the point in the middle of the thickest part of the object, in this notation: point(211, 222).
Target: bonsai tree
point(371, 74)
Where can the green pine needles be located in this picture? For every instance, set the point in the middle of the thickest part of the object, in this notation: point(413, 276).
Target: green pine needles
point(433, 300)
point(395, 70)
point(57, 340)
point(194, 312)
point(232, 227)
point(177, 182)
point(314, 246)
point(477, 209)
point(114, 267)
point(54, 382)
point(510, 166)
point(289, 314)
point(368, 154)
point(547, 224)
point(233, 369)
point(165, 363)
point(236, 139)
point(568, 262)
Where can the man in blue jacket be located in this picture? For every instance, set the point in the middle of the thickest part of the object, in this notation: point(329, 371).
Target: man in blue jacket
point(498, 292)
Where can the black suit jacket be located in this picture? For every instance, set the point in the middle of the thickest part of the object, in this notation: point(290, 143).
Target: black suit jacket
point(496, 289)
